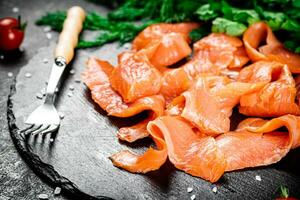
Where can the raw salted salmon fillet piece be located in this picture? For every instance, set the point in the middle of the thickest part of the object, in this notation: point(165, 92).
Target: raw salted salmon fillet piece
point(273, 50)
point(276, 98)
point(255, 143)
point(96, 77)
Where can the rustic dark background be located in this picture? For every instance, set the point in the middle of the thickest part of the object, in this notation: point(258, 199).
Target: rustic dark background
point(17, 181)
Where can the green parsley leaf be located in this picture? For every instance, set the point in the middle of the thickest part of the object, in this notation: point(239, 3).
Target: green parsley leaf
point(222, 25)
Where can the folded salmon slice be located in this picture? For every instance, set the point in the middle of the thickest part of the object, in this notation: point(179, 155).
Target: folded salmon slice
point(209, 103)
point(156, 31)
point(257, 143)
point(276, 98)
point(273, 50)
point(196, 155)
point(213, 55)
point(135, 77)
point(96, 77)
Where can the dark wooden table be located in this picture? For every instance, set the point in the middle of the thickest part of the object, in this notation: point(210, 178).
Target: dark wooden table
point(17, 181)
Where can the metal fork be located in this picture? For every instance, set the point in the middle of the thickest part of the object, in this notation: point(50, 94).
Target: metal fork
point(45, 118)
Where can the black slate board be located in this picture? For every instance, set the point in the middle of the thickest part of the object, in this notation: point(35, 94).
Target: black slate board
point(87, 137)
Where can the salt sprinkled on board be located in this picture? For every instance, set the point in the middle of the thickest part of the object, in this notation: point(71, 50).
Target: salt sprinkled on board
point(72, 71)
point(258, 178)
point(43, 91)
point(15, 9)
point(71, 87)
point(77, 80)
point(189, 189)
point(28, 75)
point(39, 95)
point(45, 60)
point(193, 197)
point(215, 189)
point(61, 115)
point(57, 191)
point(10, 74)
point(70, 94)
point(49, 36)
point(51, 140)
point(47, 29)
point(43, 196)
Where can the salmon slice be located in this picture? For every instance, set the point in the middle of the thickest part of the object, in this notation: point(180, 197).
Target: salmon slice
point(215, 54)
point(135, 132)
point(135, 77)
point(273, 50)
point(156, 31)
point(209, 103)
point(257, 143)
point(276, 98)
point(171, 48)
point(96, 77)
point(198, 156)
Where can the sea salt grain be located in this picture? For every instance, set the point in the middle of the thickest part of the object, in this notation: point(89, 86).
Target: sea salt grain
point(39, 95)
point(127, 46)
point(189, 189)
point(51, 140)
point(72, 71)
point(70, 94)
point(43, 91)
point(193, 197)
point(57, 191)
point(45, 60)
point(215, 189)
point(15, 9)
point(61, 115)
point(10, 74)
point(48, 36)
point(28, 75)
point(43, 196)
point(71, 87)
point(1, 57)
point(258, 178)
point(47, 29)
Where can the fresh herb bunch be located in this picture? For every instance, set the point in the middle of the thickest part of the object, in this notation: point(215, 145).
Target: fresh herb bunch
point(230, 17)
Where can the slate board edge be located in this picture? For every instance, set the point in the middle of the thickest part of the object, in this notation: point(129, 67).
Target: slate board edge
point(43, 170)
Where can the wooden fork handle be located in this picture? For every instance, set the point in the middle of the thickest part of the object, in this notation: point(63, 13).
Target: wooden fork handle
point(68, 38)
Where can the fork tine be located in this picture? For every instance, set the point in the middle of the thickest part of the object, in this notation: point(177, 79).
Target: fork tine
point(34, 128)
point(50, 129)
point(25, 129)
point(41, 129)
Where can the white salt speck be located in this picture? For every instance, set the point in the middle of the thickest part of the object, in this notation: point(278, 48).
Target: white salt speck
point(258, 178)
point(61, 115)
point(47, 29)
point(56, 90)
point(43, 196)
point(70, 94)
point(10, 74)
point(189, 189)
point(71, 87)
point(215, 189)
point(51, 140)
point(57, 191)
point(28, 75)
point(193, 197)
point(39, 95)
point(45, 60)
point(43, 91)
point(49, 36)
point(77, 81)
point(1, 57)
point(127, 46)
point(15, 9)
point(72, 71)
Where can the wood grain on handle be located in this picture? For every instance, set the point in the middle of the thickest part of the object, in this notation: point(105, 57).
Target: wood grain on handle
point(68, 38)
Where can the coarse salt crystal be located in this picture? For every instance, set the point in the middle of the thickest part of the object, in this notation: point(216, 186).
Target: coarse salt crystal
point(193, 197)
point(43, 91)
point(72, 71)
point(28, 75)
point(47, 29)
point(71, 87)
point(43, 196)
point(39, 95)
point(15, 9)
point(51, 140)
point(258, 178)
point(127, 45)
point(215, 189)
point(10, 74)
point(189, 189)
point(45, 60)
point(70, 94)
point(61, 115)
point(49, 36)
point(57, 191)
point(1, 57)
point(56, 90)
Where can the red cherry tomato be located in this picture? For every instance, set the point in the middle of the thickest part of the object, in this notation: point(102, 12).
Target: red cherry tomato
point(11, 34)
